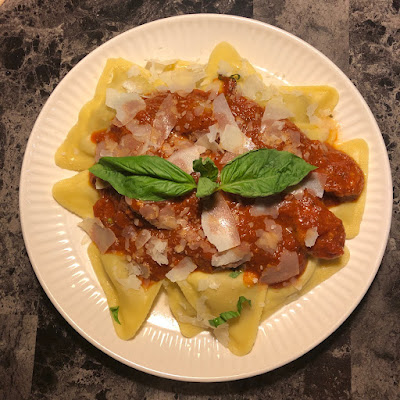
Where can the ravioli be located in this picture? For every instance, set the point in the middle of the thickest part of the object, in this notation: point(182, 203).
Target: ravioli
point(79, 197)
point(134, 304)
point(211, 302)
point(200, 297)
point(76, 194)
point(184, 313)
point(316, 272)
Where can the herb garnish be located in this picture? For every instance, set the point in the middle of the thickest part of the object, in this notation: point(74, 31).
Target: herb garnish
point(208, 176)
point(144, 177)
point(263, 172)
point(225, 316)
point(235, 77)
point(257, 173)
point(235, 274)
point(114, 313)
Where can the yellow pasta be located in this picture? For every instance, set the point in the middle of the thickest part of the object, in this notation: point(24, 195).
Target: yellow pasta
point(76, 194)
point(200, 297)
point(134, 304)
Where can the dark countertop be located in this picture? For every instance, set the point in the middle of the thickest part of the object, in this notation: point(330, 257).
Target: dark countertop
point(41, 356)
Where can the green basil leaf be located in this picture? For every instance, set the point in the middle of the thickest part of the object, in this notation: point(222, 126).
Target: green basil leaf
point(216, 322)
point(206, 167)
point(205, 187)
point(227, 315)
point(223, 317)
point(240, 302)
point(263, 172)
point(144, 177)
point(152, 166)
point(235, 274)
point(114, 313)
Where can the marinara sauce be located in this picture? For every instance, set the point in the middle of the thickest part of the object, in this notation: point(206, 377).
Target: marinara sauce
point(291, 219)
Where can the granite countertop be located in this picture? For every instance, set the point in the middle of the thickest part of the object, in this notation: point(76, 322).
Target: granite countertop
point(41, 356)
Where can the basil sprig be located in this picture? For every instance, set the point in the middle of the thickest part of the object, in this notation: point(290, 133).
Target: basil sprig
point(114, 312)
point(144, 177)
point(257, 173)
point(208, 176)
point(227, 315)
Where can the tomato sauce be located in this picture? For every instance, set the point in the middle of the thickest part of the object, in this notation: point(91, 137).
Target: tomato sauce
point(185, 237)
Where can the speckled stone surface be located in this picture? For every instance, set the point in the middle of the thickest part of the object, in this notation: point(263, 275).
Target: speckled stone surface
point(41, 356)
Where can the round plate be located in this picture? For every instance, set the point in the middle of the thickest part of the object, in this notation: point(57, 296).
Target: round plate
point(58, 253)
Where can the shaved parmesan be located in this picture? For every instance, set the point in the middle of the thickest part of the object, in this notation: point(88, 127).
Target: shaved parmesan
point(232, 258)
point(219, 224)
point(100, 184)
point(311, 114)
point(287, 268)
point(129, 146)
point(133, 87)
point(166, 218)
point(225, 68)
point(132, 281)
point(268, 242)
point(165, 119)
point(311, 237)
point(142, 238)
point(182, 270)
point(314, 183)
point(127, 105)
point(182, 79)
point(264, 207)
point(105, 148)
point(274, 110)
point(223, 113)
point(135, 70)
point(184, 158)
point(141, 133)
point(102, 237)
point(232, 139)
point(208, 140)
point(157, 250)
point(254, 88)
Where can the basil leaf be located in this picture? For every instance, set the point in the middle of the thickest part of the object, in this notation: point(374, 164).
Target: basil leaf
point(144, 177)
point(227, 315)
point(206, 167)
point(114, 313)
point(235, 274)
point(216, 322)
point(257, 173)
point(223, 317)
point(205, 187)
point(145, 165)
point(240, 302)
point(263, 172)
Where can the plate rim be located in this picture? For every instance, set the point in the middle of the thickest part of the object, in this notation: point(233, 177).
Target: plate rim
point(104, 348)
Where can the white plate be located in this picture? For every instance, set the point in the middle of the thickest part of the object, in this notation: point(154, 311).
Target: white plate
point(54, 242)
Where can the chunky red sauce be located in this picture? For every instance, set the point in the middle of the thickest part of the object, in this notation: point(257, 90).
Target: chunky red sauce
point(184, 234)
